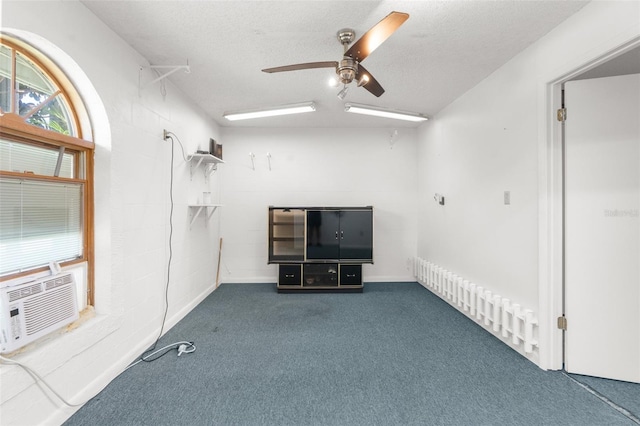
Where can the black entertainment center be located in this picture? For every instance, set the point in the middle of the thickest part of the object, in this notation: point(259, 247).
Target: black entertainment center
point(320, 248)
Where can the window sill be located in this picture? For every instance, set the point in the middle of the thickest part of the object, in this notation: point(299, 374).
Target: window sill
point(52, 352)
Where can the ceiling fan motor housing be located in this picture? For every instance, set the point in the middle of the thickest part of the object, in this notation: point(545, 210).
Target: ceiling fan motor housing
point(347, 70)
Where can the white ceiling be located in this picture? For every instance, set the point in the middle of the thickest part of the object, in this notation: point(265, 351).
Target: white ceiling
point(444, 49)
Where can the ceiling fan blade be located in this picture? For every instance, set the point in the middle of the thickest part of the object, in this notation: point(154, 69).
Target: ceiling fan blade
point(308, 65)
point(376, 36)
point(372, 84)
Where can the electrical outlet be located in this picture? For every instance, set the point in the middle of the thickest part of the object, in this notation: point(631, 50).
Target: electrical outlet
point(507, 198)
point(165, 134)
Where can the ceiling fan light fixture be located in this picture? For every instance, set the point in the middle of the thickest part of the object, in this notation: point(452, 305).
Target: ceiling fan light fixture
point(386, 113)
point(364, 79)
point(342, 93)
point(270, 112)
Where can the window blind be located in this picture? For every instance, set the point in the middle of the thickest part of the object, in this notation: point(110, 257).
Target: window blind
point(40, 222)
point(25, 158)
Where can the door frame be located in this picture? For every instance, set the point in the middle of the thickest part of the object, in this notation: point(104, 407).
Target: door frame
point(551, 211)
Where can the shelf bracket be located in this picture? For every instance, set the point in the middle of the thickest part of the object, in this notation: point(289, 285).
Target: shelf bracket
point(192, 166)
point(210, 169)
point(195, 215)
point(209, 162)
point(199, 209)
point(172, 69)
point(211, 211)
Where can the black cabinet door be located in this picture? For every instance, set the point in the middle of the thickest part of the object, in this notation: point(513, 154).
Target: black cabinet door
point(350, 274)
point(290, 275)
point(340, 235)
point(323, 234)
point(356, 235)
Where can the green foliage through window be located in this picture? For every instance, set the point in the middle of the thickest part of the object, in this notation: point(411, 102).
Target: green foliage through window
point(28, 91)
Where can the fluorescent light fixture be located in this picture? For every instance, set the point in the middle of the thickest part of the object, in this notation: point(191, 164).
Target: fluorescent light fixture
point(269, 112)
point(381, 112)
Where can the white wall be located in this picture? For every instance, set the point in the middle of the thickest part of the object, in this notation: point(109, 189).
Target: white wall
point(471, 152)
point(501, 136)
point(318, 167)
point(132, 177)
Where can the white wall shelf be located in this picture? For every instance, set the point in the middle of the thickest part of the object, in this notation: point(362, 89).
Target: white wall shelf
point(209, 162)
point(196, 209)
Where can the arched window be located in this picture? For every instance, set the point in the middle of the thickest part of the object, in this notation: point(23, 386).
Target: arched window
point(46, 168)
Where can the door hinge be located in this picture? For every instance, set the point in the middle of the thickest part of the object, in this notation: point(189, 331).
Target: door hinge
point(561, 114)
point(562, 322)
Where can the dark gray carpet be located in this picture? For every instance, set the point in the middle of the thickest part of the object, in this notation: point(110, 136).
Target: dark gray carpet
point(393, 355)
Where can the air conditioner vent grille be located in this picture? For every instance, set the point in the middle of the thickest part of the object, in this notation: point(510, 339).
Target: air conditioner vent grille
point(57, 282)
point(44, 310)
point(23, 292)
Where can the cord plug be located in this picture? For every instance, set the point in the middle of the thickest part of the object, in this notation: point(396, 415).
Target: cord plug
point(186, 348)
point(182, 349)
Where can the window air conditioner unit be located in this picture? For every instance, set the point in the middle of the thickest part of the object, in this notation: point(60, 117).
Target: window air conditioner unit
point(31, 310)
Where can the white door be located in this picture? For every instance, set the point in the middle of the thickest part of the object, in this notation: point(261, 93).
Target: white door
point(602, 227)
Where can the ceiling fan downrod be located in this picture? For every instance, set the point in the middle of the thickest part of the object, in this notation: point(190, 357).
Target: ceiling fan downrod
point(347, 67)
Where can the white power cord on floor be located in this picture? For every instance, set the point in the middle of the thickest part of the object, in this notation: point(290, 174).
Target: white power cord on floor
point(182, 347)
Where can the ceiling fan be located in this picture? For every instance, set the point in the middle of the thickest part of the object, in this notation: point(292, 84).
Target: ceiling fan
point(350, 68)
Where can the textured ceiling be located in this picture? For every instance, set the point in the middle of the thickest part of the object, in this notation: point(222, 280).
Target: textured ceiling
point(444, 49)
